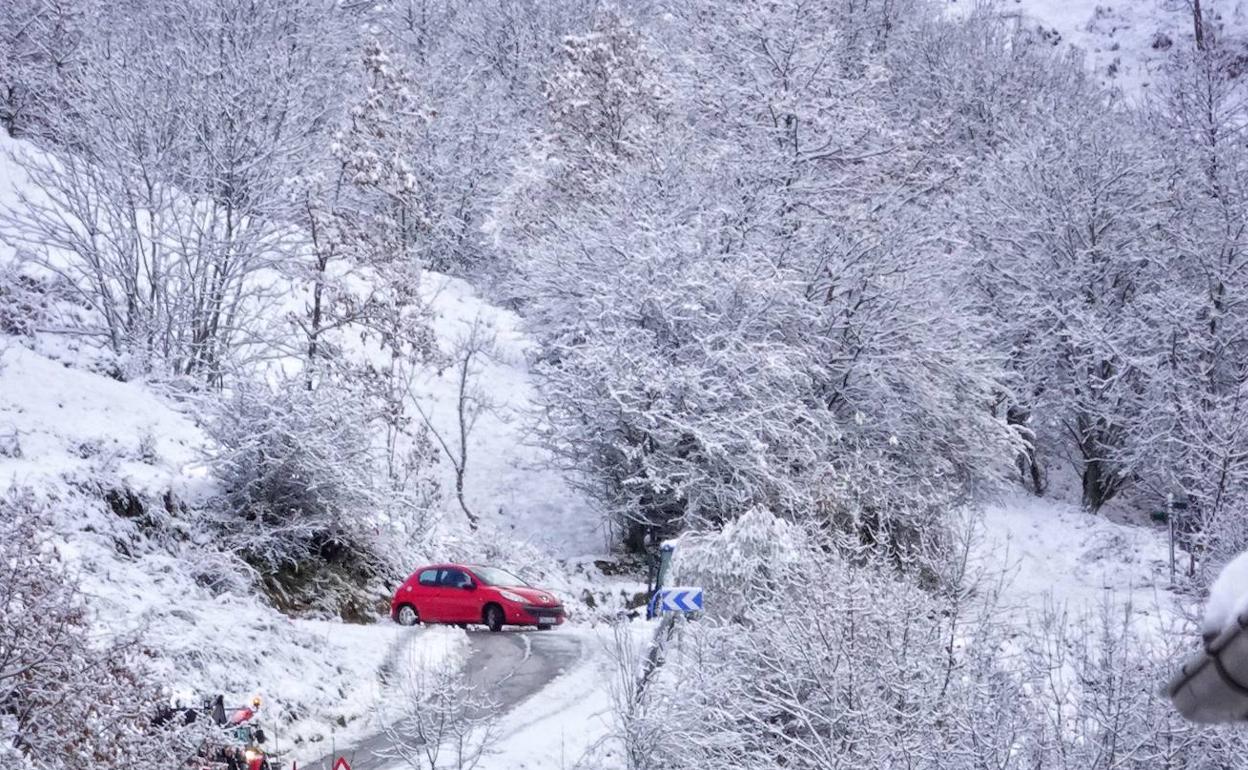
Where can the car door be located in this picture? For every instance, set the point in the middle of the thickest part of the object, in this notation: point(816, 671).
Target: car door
point(459, 596)
point(427, 594)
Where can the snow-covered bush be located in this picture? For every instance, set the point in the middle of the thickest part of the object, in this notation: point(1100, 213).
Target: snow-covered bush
point(607, 93)
point(756, 550)
point(39, 48)
point(832, 663)
point(837, 661)
point(303, 499)
point(69, 696)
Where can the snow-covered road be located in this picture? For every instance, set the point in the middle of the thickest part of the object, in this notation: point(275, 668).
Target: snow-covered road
point(511, 666)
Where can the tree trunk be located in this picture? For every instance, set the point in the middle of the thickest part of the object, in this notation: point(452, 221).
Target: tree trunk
point(1198, 21)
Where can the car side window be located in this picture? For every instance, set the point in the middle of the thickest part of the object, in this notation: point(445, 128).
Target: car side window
point(428, 577)
point(453, 578)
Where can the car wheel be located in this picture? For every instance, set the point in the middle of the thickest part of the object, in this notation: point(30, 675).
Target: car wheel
point(408, 616)
point(494, 617)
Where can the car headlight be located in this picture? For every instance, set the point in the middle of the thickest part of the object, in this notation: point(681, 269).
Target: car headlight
point(509, 596)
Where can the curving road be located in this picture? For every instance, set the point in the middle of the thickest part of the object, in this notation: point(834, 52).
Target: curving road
point(511, 666)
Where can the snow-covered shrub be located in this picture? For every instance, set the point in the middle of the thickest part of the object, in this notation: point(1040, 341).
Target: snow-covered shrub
point(20, 303)
point(606, 94)
point(756, 550)
point(436, 718)
point(849, 662)
point(834, 662)
point(1095, 679)
point(302, 498)
point(69, 697)
point(39, 48)
point(10, 443)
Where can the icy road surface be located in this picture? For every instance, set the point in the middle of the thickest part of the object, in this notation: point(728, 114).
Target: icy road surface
point(511, 666)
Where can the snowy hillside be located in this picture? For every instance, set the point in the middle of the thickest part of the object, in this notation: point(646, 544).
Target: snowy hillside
point(121, 463)
point(78, 440)
point(510, 480)
point(1126, 43)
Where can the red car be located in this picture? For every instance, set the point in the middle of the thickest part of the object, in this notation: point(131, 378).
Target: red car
point(471, 593)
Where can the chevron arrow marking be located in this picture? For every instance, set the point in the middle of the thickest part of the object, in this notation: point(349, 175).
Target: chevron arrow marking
point(680, 599)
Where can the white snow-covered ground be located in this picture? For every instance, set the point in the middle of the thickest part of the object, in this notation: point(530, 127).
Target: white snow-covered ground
point(62, 423)
point(1125, 42)
point(1044, 551)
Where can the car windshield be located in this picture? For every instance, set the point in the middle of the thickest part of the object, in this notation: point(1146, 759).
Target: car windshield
point(493, 576)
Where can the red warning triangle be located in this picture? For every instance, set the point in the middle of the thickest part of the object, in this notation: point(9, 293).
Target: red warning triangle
point(342, 764)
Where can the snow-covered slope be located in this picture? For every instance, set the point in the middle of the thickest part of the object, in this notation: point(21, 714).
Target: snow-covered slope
point(120, 465)
point(1126, 43)
point(77, 440)
point(1047, 551)
point(510, 481)
point(63, 424)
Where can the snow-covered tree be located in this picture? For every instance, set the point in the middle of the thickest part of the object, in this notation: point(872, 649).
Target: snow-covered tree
point(160, 195)
point(1198, 433)
point(606, 94)
point(70, 697)
point(1069, 258)
point(40, 41)
point(739, 317)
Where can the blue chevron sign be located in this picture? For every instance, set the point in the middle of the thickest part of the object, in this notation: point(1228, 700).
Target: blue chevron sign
point(678, 599)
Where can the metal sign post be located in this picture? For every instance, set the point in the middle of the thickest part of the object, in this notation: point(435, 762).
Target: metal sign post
point(665, 563)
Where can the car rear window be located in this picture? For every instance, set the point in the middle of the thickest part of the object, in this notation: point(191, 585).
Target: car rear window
point(429, 577)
